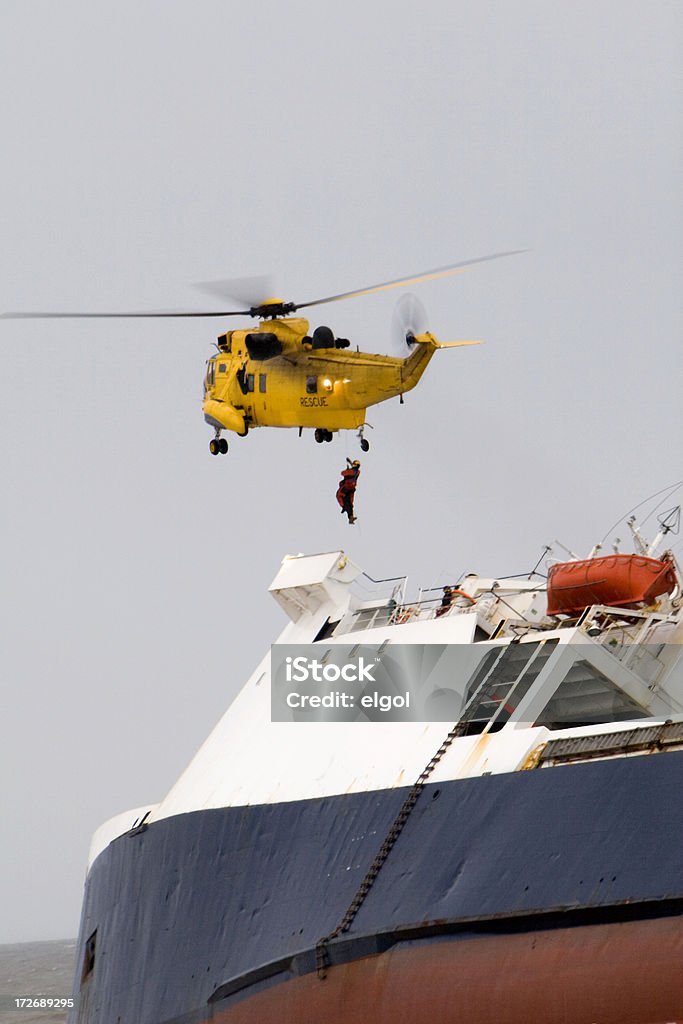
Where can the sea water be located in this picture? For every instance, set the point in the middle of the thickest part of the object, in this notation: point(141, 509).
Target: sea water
point(34, 969)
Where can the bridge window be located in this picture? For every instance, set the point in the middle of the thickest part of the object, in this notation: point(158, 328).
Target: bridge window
point(503, 678)
point(587, 697)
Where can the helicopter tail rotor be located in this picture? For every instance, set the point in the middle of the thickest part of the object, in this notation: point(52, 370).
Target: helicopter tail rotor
point(408, 320)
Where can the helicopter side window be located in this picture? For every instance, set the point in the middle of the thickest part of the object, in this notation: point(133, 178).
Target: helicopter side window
point(250, 382)
point(311, 385)
point(262, 382)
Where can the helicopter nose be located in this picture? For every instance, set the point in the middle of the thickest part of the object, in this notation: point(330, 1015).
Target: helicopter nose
point(224, 416)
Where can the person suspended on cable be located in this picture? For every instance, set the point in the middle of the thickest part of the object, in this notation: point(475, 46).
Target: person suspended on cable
point(346, 491)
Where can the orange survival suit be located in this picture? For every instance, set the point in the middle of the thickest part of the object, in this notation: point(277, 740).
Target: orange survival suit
point(346, 491)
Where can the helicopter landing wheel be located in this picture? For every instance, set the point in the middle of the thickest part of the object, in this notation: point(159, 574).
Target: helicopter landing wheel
point(363, 441)
point(319, 435)
point(218, 446)
point(327, 435)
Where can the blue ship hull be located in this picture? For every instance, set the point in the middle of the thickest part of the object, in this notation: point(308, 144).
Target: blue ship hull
point(216, 914)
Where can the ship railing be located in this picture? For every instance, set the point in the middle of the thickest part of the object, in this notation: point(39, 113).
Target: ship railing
point(372, 608)
point(626, 633)
point(373, 615)
point(368, 589)
point(368, 616)
point(419, 610)
point(488, 602)
point(375, 612)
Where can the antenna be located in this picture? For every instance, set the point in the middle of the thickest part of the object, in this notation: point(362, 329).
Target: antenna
point(669, 522)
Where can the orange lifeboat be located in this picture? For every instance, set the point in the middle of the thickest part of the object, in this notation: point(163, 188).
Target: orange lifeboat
point(618, 581)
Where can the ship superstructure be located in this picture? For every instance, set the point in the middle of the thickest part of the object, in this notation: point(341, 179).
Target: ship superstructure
point(520, 859)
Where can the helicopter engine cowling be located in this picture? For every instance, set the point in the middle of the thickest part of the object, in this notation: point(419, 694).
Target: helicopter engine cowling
point(323, 337)
point(262, 345)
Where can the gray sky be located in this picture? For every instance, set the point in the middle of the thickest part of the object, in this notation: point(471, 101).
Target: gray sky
point(152, 144)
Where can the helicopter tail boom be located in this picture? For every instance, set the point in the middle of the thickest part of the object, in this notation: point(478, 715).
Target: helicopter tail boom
point(425, 345)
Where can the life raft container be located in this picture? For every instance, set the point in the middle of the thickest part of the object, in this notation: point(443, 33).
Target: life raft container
point(618, 581)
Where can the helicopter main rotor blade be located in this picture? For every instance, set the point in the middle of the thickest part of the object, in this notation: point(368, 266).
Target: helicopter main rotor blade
point(111, 316)
point(427, 275)
point(263, 307)
point(251, 291)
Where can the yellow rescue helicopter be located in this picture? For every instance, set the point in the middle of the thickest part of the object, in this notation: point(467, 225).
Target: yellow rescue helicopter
point(282, 374)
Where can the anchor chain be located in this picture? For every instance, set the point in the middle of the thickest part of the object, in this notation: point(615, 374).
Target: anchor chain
point(322, 958)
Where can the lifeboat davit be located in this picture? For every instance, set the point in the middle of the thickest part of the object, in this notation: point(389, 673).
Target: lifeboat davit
point(618, 581)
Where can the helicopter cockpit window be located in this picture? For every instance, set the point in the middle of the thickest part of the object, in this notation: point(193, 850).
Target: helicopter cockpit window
point(222, 367)
point(311, 385)
point(210, 373)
